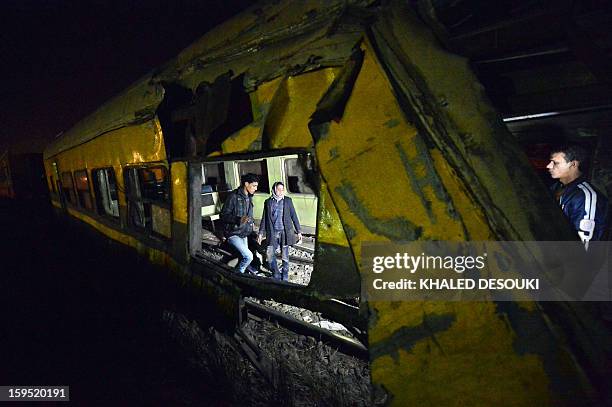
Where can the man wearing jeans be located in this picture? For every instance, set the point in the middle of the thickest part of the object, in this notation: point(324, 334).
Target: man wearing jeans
point(278, 223)
point(237, 218)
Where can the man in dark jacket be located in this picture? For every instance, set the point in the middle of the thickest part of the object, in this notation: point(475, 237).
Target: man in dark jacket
point(237, 218)
point(277, 225)
point(585, 207)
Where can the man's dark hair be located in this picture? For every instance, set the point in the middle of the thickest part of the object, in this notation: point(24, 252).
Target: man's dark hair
point(250, 178)
point(573, 152)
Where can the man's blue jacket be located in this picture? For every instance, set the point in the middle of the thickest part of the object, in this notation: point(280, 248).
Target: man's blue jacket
point(585, 207)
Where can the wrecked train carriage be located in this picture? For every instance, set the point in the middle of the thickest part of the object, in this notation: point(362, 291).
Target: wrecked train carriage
point(395, 140)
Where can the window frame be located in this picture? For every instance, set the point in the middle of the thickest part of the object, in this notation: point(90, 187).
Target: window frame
point(66, 192)
point(166, 203)
point(100, 208)
point(264, 162)
point(286, 178)
point(89, 191)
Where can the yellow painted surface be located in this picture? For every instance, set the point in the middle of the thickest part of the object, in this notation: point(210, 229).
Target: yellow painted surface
point(155, 256)
point(135, 103)
point(373, 165)
point(473, 217)
point(329, 226)
point(129, 145)
point(180, 182)
point(146, 144)
point(293, 104)
point(246, 27)
point(473, 363)
point(383, 182)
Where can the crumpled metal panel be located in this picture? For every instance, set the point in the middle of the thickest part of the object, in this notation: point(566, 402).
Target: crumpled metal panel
point(389, 183)
point(268, 41)
point(292, 107)
point(450, 171)
point(449, 107)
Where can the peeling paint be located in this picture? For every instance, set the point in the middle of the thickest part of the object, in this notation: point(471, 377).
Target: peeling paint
point(407, 336)
point(395, 229)
point(392, 123)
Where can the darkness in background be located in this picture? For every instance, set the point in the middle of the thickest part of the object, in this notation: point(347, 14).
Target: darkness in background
point(62, 59)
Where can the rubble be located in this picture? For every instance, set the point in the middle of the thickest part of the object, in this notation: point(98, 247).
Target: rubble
point(307, 371)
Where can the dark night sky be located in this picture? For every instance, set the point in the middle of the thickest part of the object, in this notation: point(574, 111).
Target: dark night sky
point(62, 59)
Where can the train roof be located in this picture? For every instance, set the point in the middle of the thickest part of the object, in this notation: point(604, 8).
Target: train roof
point(267, 40)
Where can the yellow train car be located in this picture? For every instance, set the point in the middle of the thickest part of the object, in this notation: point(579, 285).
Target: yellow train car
point(392, 136)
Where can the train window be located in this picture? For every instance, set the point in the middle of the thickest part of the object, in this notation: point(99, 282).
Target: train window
point(105, 186)
point(154, 183)
point(68, 187)
point(259, 168)
point(136, 211)
point(297, 181)
point(147, 193)
point(214, 177)
point(83, 191)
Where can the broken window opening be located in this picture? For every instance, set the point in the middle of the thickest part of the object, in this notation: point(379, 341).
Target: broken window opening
point(174, 115)
point(297, 176)
point(105, 187)
point(239, 115)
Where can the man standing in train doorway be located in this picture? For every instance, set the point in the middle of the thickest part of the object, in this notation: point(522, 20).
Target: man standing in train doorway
point(585, 207)
point(237, 218)
point(277, 225)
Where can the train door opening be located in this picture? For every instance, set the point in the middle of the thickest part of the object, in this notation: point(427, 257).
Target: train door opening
point(221, 177)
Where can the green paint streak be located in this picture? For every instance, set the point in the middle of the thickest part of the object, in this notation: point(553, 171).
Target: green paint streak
point(394, 229)
point(406, 337)
point(319, 131)
point(533, 336)
point(333, 153)
point(431, 179)
point(350, 232)
point(392, 123)
point(416, 183)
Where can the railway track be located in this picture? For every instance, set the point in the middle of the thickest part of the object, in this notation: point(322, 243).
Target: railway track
point(343, 343)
